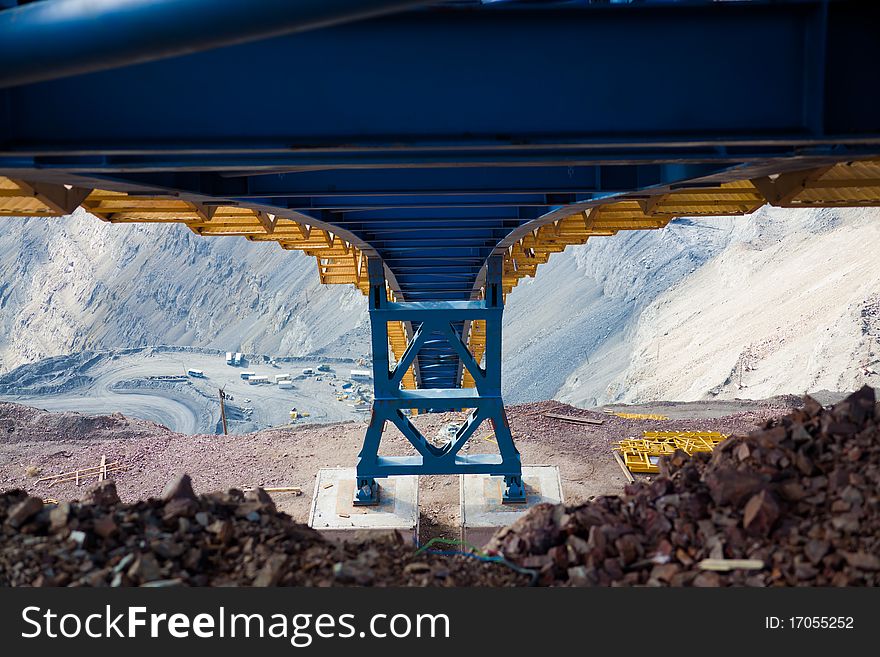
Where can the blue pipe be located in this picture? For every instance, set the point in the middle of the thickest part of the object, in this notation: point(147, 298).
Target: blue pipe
point(59, 38)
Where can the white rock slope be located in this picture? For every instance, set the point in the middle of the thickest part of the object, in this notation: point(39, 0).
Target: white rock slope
point(74, 284)
point(778, 302)
point(573, 323)
point(791, 305)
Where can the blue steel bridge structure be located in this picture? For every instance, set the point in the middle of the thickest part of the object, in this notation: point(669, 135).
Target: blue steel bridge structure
point(433, 154)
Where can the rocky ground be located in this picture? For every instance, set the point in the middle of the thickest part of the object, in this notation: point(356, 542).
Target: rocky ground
point(34, 444)
point(221, 539)
point(126, 381)
point(799, 498)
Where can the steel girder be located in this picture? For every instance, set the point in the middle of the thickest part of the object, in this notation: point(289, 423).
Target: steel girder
point(452, 86)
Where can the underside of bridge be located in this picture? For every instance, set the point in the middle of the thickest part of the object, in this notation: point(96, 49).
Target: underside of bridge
point(435, 156)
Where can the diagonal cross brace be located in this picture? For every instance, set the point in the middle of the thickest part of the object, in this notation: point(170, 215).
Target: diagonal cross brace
point(412, 350)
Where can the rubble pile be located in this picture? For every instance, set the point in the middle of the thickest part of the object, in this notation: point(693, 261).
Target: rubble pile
point(221, 539)
point(801, 495)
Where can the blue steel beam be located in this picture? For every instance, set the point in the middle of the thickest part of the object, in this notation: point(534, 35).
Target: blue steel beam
point(610, 78)
point(80, 159)
point(422, 202)
point(435, 181)
point(57, 38)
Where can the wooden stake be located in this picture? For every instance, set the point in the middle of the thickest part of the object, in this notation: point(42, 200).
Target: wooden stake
point(731, 564)
point(282, 489)
point(572, 418)
point(74, 476)
point(102, 475)
point(84, 471)
point(626, 472)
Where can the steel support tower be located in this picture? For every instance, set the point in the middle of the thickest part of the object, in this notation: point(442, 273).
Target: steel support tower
point(435, 323)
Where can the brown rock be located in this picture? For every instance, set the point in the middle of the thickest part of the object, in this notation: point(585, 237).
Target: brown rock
point(629, 548)
point(105, 526)
point(272, 572)
point(24, 511)
point(222, 529)
point(103, 494)
point(262, 498)
point(145, 569)
point(664, 572)
point(168, 549)
point(792, 491)
point(684, 558)
point(862, 560)
point(760, 514)
point(814, 550)
point(707, 579)
point(804, 463)
point(179, 488)
point(58, 516)
point(729, 486)
point(179, 507)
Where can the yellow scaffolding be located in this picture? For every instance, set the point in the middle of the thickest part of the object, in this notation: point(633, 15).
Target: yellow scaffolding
point(641, 416)
point(643, 454)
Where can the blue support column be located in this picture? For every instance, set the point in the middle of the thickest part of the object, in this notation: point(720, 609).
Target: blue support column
point(435, 321)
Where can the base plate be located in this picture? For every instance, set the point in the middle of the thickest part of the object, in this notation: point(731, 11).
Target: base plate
point(337, 518)
point(482, 510)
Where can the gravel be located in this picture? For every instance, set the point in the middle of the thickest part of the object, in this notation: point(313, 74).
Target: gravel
point(221, 539)
point(799, 497)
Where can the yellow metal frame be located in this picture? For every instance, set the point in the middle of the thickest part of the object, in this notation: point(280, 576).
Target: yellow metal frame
point(642, 454)
point(641, 416)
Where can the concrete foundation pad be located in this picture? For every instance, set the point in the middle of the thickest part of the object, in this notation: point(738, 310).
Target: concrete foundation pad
point(334, 515)
point(482, 512)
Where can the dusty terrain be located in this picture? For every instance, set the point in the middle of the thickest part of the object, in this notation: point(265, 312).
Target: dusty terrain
point(36, 443)
point(221, 539)
point(120, 381)
point(793, 503)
